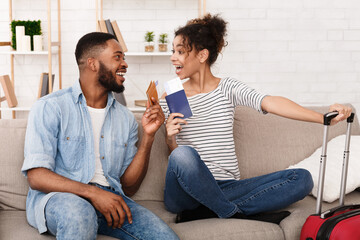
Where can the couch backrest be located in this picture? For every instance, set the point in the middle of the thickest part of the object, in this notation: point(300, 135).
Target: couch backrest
point(13, 185)
point(264, 143)
point(268, 143)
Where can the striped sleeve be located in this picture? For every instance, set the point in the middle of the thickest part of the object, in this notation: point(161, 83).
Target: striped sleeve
point(240, 94)
point(164, 107)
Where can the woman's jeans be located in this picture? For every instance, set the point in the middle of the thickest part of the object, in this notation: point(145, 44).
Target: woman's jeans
point(189, 183)
point(71, 217)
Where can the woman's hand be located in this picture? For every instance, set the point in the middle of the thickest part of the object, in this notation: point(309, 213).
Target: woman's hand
point(344, 112)
point(173, 125)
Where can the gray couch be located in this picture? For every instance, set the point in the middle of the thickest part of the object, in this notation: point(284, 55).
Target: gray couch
point(263, 144)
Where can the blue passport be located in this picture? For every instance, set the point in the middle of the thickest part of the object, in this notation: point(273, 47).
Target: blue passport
point(178, 103)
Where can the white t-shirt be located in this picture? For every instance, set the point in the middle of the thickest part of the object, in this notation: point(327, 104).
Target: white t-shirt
point(97, 119)
point(210, 129)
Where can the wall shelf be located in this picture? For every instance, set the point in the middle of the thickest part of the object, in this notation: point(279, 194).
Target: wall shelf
point(53, 48)
point(26, 53)
point(142, 54)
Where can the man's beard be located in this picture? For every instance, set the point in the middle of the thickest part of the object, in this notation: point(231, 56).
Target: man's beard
point(108, 80)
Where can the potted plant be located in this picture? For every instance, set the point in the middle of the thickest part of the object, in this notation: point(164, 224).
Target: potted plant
point(31, 28)
point(163, 40)
point(149, 41)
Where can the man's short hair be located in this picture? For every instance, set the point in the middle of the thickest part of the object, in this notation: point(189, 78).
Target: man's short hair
point(90, 45)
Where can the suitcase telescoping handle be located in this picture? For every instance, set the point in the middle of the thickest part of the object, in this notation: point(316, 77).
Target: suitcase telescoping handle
point(327, 119)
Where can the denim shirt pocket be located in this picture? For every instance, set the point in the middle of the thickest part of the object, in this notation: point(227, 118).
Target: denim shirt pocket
point(119, 153)
point(72, 150)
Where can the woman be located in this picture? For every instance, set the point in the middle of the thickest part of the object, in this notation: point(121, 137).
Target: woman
point(203, 178)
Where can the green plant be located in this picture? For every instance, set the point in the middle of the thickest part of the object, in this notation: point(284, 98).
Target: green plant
point(31, 28)
point(149, 36)
point(163, 38)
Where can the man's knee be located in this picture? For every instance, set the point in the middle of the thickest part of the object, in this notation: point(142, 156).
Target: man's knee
point(70, 215)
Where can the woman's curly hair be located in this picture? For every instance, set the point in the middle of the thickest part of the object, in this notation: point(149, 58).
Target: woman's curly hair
point(207, 32)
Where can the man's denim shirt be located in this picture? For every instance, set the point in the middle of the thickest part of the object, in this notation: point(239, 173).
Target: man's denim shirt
point(59, 137)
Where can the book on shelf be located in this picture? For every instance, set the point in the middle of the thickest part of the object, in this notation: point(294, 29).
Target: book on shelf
point(109, 27)
point(9, 92)
point(44, 84)
point(140, 103)
point(119, 36)
point(102, 26)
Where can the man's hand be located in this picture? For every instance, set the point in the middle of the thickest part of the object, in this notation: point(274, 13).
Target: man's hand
point(153, 118)
point(344, 112)
point(112, 206)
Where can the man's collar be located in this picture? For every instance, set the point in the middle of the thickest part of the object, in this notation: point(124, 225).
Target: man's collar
point(78, 94)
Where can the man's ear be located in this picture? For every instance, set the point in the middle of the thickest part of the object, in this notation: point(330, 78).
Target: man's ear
point(93, 64)
point(203, 55)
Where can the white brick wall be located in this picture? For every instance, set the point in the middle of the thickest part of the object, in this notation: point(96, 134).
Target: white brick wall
point(308, 51)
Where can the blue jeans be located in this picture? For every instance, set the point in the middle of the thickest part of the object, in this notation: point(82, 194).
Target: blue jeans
point(189, 183)
point(71, 217)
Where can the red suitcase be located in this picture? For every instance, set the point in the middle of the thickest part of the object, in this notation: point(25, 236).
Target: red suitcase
point(342, 222)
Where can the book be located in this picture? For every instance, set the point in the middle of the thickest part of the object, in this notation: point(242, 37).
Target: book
point(44, 84)
point(102, 26)
point(151, 92)
point(9, 92)
point(176, 98)
point(119, 36)
point(109, 27)
point(140, 103)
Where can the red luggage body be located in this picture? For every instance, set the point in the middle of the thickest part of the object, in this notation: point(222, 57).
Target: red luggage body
point(339, 223)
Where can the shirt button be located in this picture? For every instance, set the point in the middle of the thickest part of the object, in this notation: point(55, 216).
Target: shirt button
point(102, 157)
point(102, 136)
point(67, 138)
point(125, 145)
point(80, 102)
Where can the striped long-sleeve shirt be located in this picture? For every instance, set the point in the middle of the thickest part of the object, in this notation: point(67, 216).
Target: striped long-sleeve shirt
point(210, 129)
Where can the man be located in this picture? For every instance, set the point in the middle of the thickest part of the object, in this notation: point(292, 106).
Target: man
point(80, 155)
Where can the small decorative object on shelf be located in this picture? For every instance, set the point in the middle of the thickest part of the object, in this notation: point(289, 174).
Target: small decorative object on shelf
point(25, 29)
point(38, 43)
point(149, 41)
point(26, 43)
point(163, 40)
point(19, 34)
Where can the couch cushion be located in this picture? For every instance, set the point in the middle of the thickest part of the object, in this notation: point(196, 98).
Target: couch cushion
point(268, 143)
point(216, 228)
point(334, 164)
point(13, 185)
point(153, 185)
point(13, 225)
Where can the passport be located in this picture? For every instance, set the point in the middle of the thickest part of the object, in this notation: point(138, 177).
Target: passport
point(152, 92)
point(176, 98)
